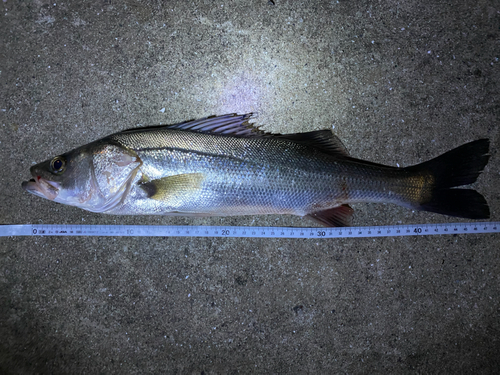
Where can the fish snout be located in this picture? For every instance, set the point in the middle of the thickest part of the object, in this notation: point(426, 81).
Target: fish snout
point(41, 187)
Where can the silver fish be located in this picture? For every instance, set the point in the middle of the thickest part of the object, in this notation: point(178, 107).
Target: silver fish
point(222, 166)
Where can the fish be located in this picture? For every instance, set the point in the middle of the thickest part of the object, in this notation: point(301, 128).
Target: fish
point(226, 166)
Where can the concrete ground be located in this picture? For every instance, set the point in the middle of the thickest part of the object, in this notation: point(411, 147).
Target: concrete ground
point(399, 81)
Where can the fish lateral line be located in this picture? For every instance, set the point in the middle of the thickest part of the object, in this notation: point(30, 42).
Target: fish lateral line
point(251, 172)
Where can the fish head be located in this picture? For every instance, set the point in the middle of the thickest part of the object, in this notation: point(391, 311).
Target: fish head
point(63, 179)
point(95, 177)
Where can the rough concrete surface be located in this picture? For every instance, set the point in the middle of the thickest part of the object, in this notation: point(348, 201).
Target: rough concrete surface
point(400, 82)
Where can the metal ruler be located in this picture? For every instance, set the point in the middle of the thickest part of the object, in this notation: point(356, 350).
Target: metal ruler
point(246, 232)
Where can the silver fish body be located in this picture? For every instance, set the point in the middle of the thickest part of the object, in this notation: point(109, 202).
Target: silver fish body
point(221, 166)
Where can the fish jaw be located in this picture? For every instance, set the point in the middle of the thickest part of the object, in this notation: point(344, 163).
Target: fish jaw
point(42, 187)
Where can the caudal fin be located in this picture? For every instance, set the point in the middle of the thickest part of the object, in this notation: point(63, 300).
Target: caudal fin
point(460, 166)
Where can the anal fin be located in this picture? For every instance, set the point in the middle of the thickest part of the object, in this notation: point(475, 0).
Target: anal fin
point(333, 217)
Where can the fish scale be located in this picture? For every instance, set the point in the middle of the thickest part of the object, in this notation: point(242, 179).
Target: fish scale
point(237, 180)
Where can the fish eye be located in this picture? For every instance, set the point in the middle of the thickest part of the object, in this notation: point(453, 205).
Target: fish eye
point(58, 164)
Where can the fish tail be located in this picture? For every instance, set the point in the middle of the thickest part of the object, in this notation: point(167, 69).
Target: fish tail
point(460, 166)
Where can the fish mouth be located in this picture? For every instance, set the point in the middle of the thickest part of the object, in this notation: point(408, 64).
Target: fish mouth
point(42, 187)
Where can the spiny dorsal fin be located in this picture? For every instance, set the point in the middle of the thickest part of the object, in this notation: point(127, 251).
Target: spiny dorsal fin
point(230, 124)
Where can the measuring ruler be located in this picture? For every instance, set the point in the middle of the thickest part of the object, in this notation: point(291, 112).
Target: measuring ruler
point(246, 232)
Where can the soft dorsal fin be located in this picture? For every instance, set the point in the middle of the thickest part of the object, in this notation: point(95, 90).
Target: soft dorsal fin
point(323, 140)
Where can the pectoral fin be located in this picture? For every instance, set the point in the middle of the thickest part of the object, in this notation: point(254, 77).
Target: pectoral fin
point(179, 185)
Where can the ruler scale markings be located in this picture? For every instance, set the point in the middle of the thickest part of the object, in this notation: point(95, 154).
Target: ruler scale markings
point(247, 232)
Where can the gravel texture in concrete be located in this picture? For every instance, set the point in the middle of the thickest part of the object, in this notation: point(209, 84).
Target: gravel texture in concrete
point(398, 81)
